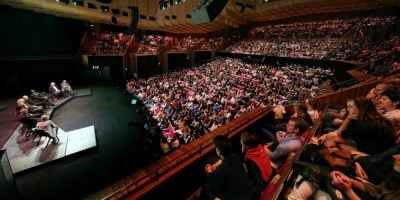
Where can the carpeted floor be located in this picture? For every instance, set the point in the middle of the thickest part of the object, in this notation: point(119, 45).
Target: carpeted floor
point(119, 152)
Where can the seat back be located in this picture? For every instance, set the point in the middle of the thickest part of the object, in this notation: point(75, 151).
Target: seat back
point(28, 122)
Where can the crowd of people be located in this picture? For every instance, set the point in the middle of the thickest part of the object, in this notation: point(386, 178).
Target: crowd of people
point(152, 44)
point(331, 28)
point(110, 43)
point(356, 155)
point(210, 43)
point(332, 49)
point(376, 22)
point(319, 40)
point(323, 28)
point(185, 44)
point(196, 101)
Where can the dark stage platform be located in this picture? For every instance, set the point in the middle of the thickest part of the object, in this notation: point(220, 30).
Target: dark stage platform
point(23, 154)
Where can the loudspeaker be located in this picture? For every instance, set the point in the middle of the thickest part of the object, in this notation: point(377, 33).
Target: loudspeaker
point(134, 19)
point(114, 20)
point(207, 13)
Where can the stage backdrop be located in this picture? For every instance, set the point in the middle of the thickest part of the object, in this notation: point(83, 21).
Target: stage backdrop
point(107, 68)
point(27, 33)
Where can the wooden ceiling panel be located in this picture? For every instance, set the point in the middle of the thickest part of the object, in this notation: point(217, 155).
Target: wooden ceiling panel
point(231, 16)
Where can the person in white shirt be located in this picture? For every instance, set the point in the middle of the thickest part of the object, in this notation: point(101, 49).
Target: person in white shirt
point(47, 126)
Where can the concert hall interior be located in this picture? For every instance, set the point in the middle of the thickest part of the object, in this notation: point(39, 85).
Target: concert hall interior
point(199, 99)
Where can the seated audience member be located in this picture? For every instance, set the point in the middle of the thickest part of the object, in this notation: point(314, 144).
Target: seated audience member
point(390, 101)
point(279, 112)
point(257, 162)
point(364, 129)
point(332, 120)
point(312, 109)
point(300, 110)
point(292, 141)
point(356, 189)
point(229, 180)
point(164, 145)
point(375, 168)
point(375, 93)
point(47, 126)
point(53, 90)
point(66, 88)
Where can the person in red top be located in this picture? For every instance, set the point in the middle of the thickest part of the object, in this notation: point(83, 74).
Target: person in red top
point(257, 161)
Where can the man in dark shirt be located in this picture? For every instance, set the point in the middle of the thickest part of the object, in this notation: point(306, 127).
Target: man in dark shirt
point(230, 179)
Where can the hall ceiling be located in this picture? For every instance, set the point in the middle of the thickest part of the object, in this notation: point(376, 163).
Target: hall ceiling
point(235, 13)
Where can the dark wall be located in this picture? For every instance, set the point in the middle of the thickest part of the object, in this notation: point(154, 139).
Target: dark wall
point(201, 56)
point(27, 33)
point(177, 61)
point(110, 69)
point(147, 66)
point(20, 76)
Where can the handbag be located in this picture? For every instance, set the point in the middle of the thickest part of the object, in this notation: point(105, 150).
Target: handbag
point(319, 176)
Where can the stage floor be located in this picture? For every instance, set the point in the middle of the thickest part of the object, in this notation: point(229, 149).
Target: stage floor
point(119, 151)
point(24, 155)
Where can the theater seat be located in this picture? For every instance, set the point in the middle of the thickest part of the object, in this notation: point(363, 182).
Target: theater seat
point(40, 133)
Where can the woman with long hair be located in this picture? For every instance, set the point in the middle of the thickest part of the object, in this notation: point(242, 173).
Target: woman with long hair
point(365, 129)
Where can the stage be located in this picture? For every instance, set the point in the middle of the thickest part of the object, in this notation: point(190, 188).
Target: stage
point(24, 153)
point(119, 149)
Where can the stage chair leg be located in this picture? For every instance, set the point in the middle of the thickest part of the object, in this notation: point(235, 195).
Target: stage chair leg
point(48, 141)
point(40, 138)
point(33, 139)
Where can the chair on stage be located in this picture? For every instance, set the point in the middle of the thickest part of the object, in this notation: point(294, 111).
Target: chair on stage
point(28, 124)
point(40, 133)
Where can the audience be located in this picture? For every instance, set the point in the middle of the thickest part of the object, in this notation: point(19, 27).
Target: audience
point(325, 28)
point(312, 109)
point(363, 130)
point(388, 189)
point(201, 99)
point(330, 49)
point(322, 40)
point(152, 44)
point(109, 43)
